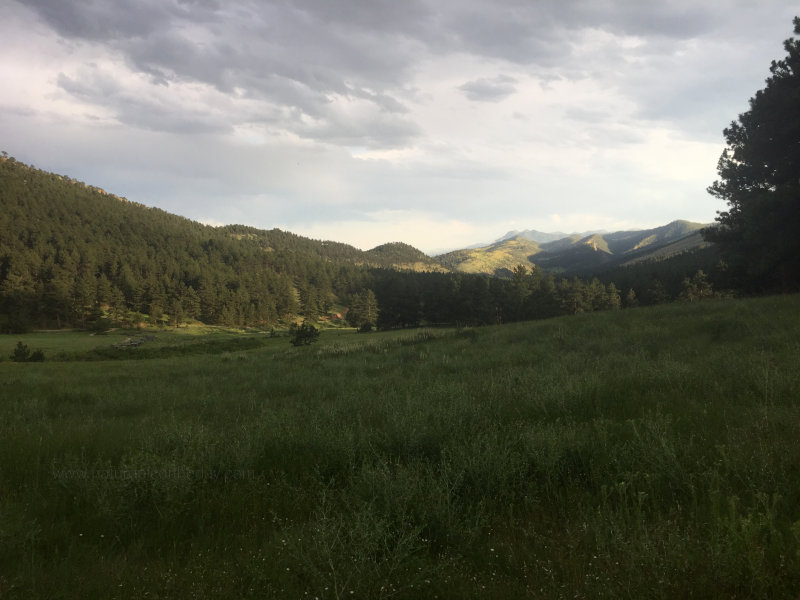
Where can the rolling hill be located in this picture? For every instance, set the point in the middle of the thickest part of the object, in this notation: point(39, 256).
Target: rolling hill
point(397, 255)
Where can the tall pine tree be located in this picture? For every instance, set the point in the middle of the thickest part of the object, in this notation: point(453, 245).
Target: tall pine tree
point(759, 178)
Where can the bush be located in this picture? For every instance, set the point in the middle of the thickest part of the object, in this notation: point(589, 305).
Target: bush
point(303, 335)
point(23, 354)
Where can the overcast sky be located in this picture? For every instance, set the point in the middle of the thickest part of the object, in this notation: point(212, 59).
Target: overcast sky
point(440, 123)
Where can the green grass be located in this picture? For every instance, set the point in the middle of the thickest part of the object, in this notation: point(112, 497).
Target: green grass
point(63, 344)
point(643, 453)
point(155, 343)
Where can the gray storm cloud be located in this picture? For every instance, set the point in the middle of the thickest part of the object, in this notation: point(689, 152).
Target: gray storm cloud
point(489, 90)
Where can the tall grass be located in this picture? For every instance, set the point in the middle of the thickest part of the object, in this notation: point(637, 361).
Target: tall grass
point(645, 453)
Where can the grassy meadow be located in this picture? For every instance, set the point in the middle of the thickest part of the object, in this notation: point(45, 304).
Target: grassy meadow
point(645, 453)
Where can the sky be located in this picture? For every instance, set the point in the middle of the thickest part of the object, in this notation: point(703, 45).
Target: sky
point(438, 123)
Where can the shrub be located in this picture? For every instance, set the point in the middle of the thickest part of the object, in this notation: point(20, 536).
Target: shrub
point(23, 354)
point(303, 335)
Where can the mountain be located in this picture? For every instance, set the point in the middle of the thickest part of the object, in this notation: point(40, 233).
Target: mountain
point(577, 253)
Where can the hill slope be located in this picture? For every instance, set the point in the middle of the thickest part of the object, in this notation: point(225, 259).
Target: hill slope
point(496, 259)
point(69, 251)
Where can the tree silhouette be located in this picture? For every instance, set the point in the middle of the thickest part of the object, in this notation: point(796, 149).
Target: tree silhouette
point(758, 178)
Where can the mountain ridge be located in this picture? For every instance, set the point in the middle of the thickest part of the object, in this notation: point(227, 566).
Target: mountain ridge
point(575, 253)
point(542, 237)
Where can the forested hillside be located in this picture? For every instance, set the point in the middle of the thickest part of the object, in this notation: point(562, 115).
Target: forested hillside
point(72, 255)
point(69, 252)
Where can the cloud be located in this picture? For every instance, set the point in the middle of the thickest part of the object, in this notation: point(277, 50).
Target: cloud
point(512, 32)
point(489, 90)
point(157, 109)
point(307, 64)
point(454, 111)
point(675, 20)
point(308, 61)
point(102, 21)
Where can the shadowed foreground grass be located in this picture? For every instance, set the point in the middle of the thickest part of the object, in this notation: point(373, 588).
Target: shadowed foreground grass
point(647, 453)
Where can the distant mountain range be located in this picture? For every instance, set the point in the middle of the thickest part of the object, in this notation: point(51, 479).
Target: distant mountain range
point(577, 253)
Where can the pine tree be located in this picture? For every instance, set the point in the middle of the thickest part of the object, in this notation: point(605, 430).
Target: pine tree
point(363, 310)
point(759, 179)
